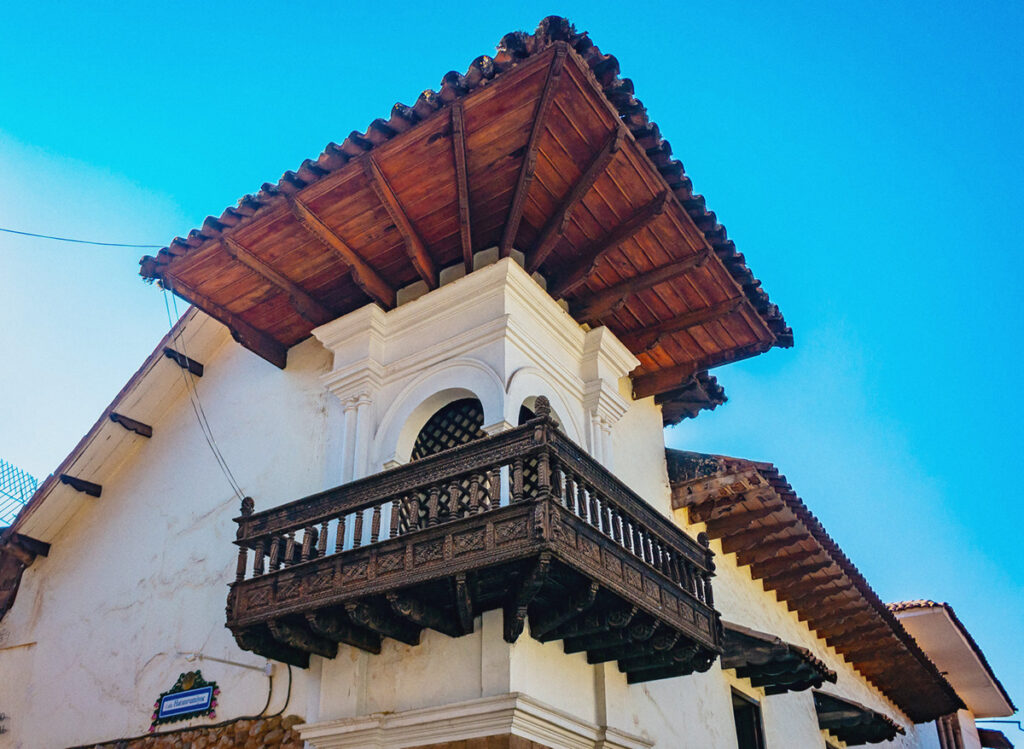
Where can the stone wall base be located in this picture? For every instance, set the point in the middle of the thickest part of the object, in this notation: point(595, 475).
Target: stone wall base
point(273, 733)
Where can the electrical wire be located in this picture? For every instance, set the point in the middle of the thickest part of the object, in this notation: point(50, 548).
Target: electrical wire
point(80, 241)
point(197, 406)
point(230, 476)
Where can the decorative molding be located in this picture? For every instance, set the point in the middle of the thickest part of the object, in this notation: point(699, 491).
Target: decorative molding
point(517, 714)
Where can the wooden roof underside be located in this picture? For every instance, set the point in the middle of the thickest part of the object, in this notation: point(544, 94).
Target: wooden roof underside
point(542, 149)
point(751, 508)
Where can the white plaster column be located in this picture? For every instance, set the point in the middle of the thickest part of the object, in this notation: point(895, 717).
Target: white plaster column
point(348, 444)
point(604, 362)
point(364, 429)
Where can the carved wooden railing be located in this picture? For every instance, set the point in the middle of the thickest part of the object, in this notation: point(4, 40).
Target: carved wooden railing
point(523, 520)
point(531, 463)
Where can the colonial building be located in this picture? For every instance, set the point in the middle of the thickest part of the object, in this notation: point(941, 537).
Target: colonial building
point(398, 478)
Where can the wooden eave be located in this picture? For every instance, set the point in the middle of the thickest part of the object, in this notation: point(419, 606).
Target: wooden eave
point(542, 149)
point(754, 512)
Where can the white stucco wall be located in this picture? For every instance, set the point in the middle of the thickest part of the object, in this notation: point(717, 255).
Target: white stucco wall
point(140, 575)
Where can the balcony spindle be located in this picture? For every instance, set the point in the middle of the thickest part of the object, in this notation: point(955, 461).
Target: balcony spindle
point(258, 559)
point(339, 542)
point(638, 541)
point(617, 526)
point(494, 488)
point(606, 519)
point(544, 475)
point(517, 480)
point(592, 515)
point(375, 525)
point(556, 480)
point(474, 494)
point(243, 562)
point(709, 596)
point(396, 515)
point(570, 493)
point(321, 544)
point(414, 513)
point(357, 530)
point(275, 554)
point(307, 544)
point(433, 503)
point(289, 549)
point(454, 499)
point(649, 548)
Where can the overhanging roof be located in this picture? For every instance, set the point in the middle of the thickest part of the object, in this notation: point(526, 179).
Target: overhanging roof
point(771, 663)
point(945, 639)
point(853, 723)
point(751, 508)
point(543, 149)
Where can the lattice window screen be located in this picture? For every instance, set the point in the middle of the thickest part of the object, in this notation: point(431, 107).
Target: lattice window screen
point(456, 424)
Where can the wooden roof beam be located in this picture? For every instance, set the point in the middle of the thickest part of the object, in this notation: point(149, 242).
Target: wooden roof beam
point(608, 300)
point(722, 526)
point(529, 166)
point(308, 308)
point(363, 274)
point(794, 574)
point(797, 586)
point(647, 338)
point(843, 639)
point(765, 550)
point(820, 595)
point(81, 485)
point(670, 378)
point(840, 616)
point(783, 564)
point(196, 368)
point(462, 184)
point(559, 220)
point(143, 430)
point(258, 341)
point(738, 541)
point(590, 256)
point(414, 247)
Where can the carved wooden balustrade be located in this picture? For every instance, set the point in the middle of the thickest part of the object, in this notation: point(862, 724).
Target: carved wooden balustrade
point(524, 521)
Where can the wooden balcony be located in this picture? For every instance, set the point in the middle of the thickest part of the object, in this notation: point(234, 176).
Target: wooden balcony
point(524, 521)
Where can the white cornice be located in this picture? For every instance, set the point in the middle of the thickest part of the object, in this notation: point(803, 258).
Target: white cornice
point(516, 714)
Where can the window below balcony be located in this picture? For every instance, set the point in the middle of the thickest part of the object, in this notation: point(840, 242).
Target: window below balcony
point(747, 714)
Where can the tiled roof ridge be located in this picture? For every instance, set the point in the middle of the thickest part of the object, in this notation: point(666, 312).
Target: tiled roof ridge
point(511, 50)
point(810, 521)
point(923, 603)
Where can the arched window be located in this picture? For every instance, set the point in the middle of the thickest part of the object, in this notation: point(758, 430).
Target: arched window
point(455, 424)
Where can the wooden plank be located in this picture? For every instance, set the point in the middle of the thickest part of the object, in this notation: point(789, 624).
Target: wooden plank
point(363, 274)
point(646, 385)
point(600, 303)
point(738, 541)
point(81, 485)
point(589, 257)
point(309, 308)
point(258, 341)
point(462, 184)
point(526, 172)
point(143, 430)
point(640, 341)
point(33, 546)
point(196, 368)
point(414, 246)
point(555, 226)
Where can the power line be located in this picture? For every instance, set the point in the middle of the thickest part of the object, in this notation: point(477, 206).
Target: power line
point(81, 241)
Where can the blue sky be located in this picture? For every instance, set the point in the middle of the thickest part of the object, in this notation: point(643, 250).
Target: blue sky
point(866, 157)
